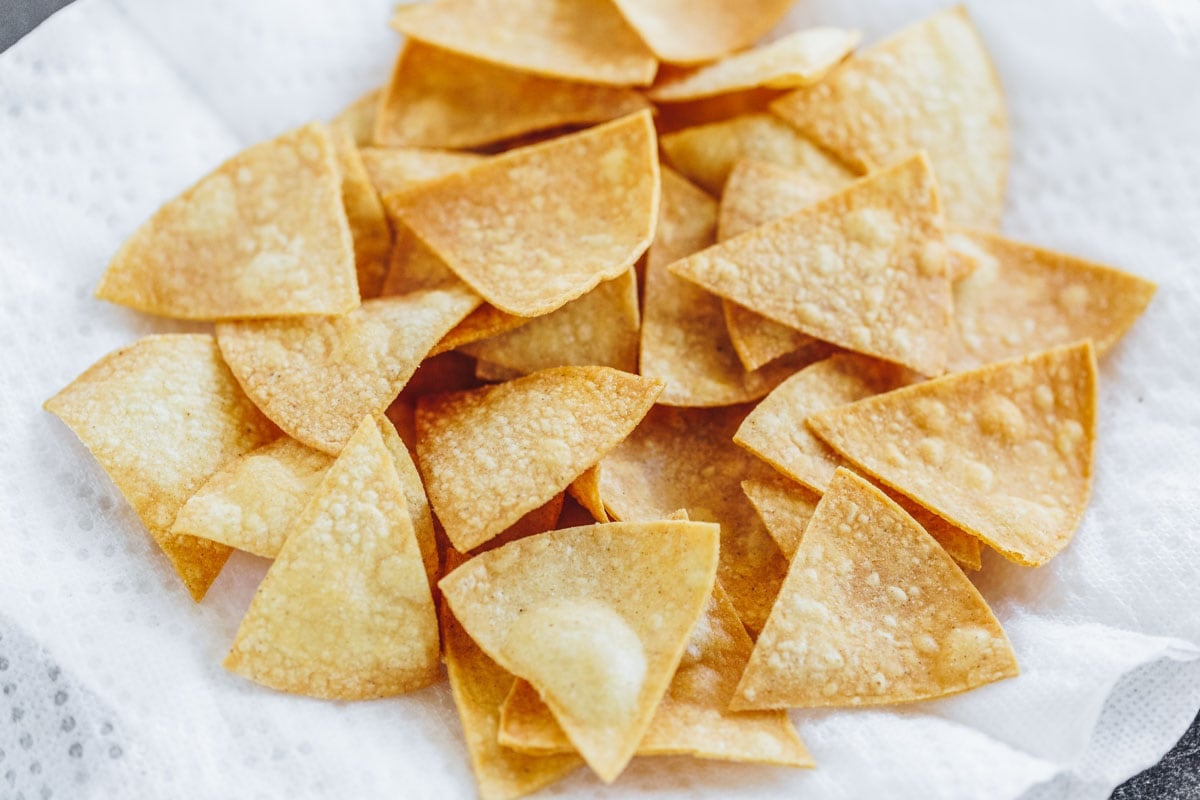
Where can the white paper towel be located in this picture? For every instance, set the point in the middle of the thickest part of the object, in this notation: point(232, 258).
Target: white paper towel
point(111, 676)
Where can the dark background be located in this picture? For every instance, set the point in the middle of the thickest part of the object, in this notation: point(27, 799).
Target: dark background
point(1176, 777)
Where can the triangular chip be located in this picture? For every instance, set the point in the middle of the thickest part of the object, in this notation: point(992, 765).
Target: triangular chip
point(932, 87)
point(674, 117)
point(358, 118)
point(785, 507)
point(441, 99)
point(529, 229)
point(873, 612)
point(264, 235)
point(864, 269)
point(1021, 299)
point(694, 31)
point(586, 491)
point(961, 546)
point(345, 611)
point(568, 612)
point(799, 59)
point(161, 416)
point(317, 377)
point(1003, 452)
point(364, 211)
point(394, 169)
point(490, 455)
point(582, 40)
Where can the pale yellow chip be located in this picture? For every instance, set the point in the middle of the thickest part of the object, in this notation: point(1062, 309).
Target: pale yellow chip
point(785, 507)
point(1021, 299)
point(1003, 452)
point(873, 612)
point(685, 459)
point(694, 31)
point(263, 235)
point(395, 169)
point(161, 416)
point(345, 611)
point(358, 118)
point(799, 59)
point(530, 229)
point(586, 491)
point(491, 455)
point(582, 40)
point(317, 377)
point(568, 612)
point(931, 86)
point(960, 545)
point(706, 154)
point(864, 269)
point(364, 211)
point(438, 98)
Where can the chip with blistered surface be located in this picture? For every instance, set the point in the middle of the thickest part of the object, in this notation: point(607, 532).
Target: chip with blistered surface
point(365, 215)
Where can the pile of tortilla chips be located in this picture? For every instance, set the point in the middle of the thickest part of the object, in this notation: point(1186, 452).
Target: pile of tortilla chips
point(799, 397)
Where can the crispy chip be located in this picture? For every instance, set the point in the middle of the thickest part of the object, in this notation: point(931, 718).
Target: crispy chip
point(707, 153)
point(1003, 452)
point(864, 269)
point(694, 31)
point(672, 117)
point(586, 491)
point(785, 507)
point(358, 118)
point(686, 459)
point(568, 612)
point(873, 612)
point(962, 546)
point(395, 169)
point(264, 235)
point(345, 611)
point(541, 519)
point(529, 229)
point(582, 40)
point(317, 377)
point(492, 454)
point(364, 211)
point(161, 416)
point(931, 86)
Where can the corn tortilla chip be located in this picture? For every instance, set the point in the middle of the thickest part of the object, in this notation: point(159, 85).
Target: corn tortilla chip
point(161, 416)
point(491, 455)
point(543, 518)
point(395, 169)
point(364, 211)
point(567, 611)
point(358, 118)
point(785, 507)
point(864, 269)
point(317, 377)
point(494, 373)
point(529, 230)
point(264, 235)
point(694, 31)
point(930, 86)
point(586, 491)
point(964, 548)
point(673, 117)
point(1003, 452)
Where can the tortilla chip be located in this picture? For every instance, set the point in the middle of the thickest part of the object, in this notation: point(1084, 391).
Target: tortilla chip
point(707, 153)
point(873, 612)
point(1023, 299)
point(582, 40)
point(161, 416)
point(1003, 452)
point(493, 454)
point(799, 59)
point(317, 377)
point(959, 262)
point(964, 548)
point(586, 491)
point(358, 118)
point(686, 459)
point(567, 611)
point(529, 229)
point(931, 86)
point(494, 373)
point(345, 611)
point(864, 269)
point(672, 117)
point(395, 169)
point(264, 235)
point(785, 507)
point(364, 211)
point(440, 99)
point(694, 31)
point(543, 518)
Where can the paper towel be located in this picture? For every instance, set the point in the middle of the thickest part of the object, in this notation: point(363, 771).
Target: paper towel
point(111, 676)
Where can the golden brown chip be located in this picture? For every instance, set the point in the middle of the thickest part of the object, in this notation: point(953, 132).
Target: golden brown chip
point(672, 117)
point(864, 269)
point(785, 507)
point(694, 31)
point(438, 98)
point(582, 40)
point(316, 377)
point(358, 118)
point(932, 87)
point(529, 229)
point(395, 169)
point(161, 416)
point(960, 545)
point(1003, 452)
point(494, 373)
point(263, 235)
point(491, 455)
point(586, 491)
point(345, 611)
point(568, 612)
point(482, 323)
point(364, 211)
point(873, 612)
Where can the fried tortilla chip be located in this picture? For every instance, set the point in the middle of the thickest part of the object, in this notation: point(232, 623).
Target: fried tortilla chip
point(161, 416)
point(264, 235)
point(543, 518)
point(864, 269)
point(694, 31)
point(873, 612)
point(785, 507)
point(962, 547)
point(674, 117)
point(491, 455)
point(358, 118)
point(317, 377)
point(586, 491)
point(932, 87)
point(364, 211)
point(581, 40)
point(494, 373)
point(345, 611)
point(1003, 452)
point(395, 169)
point(568, 612)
